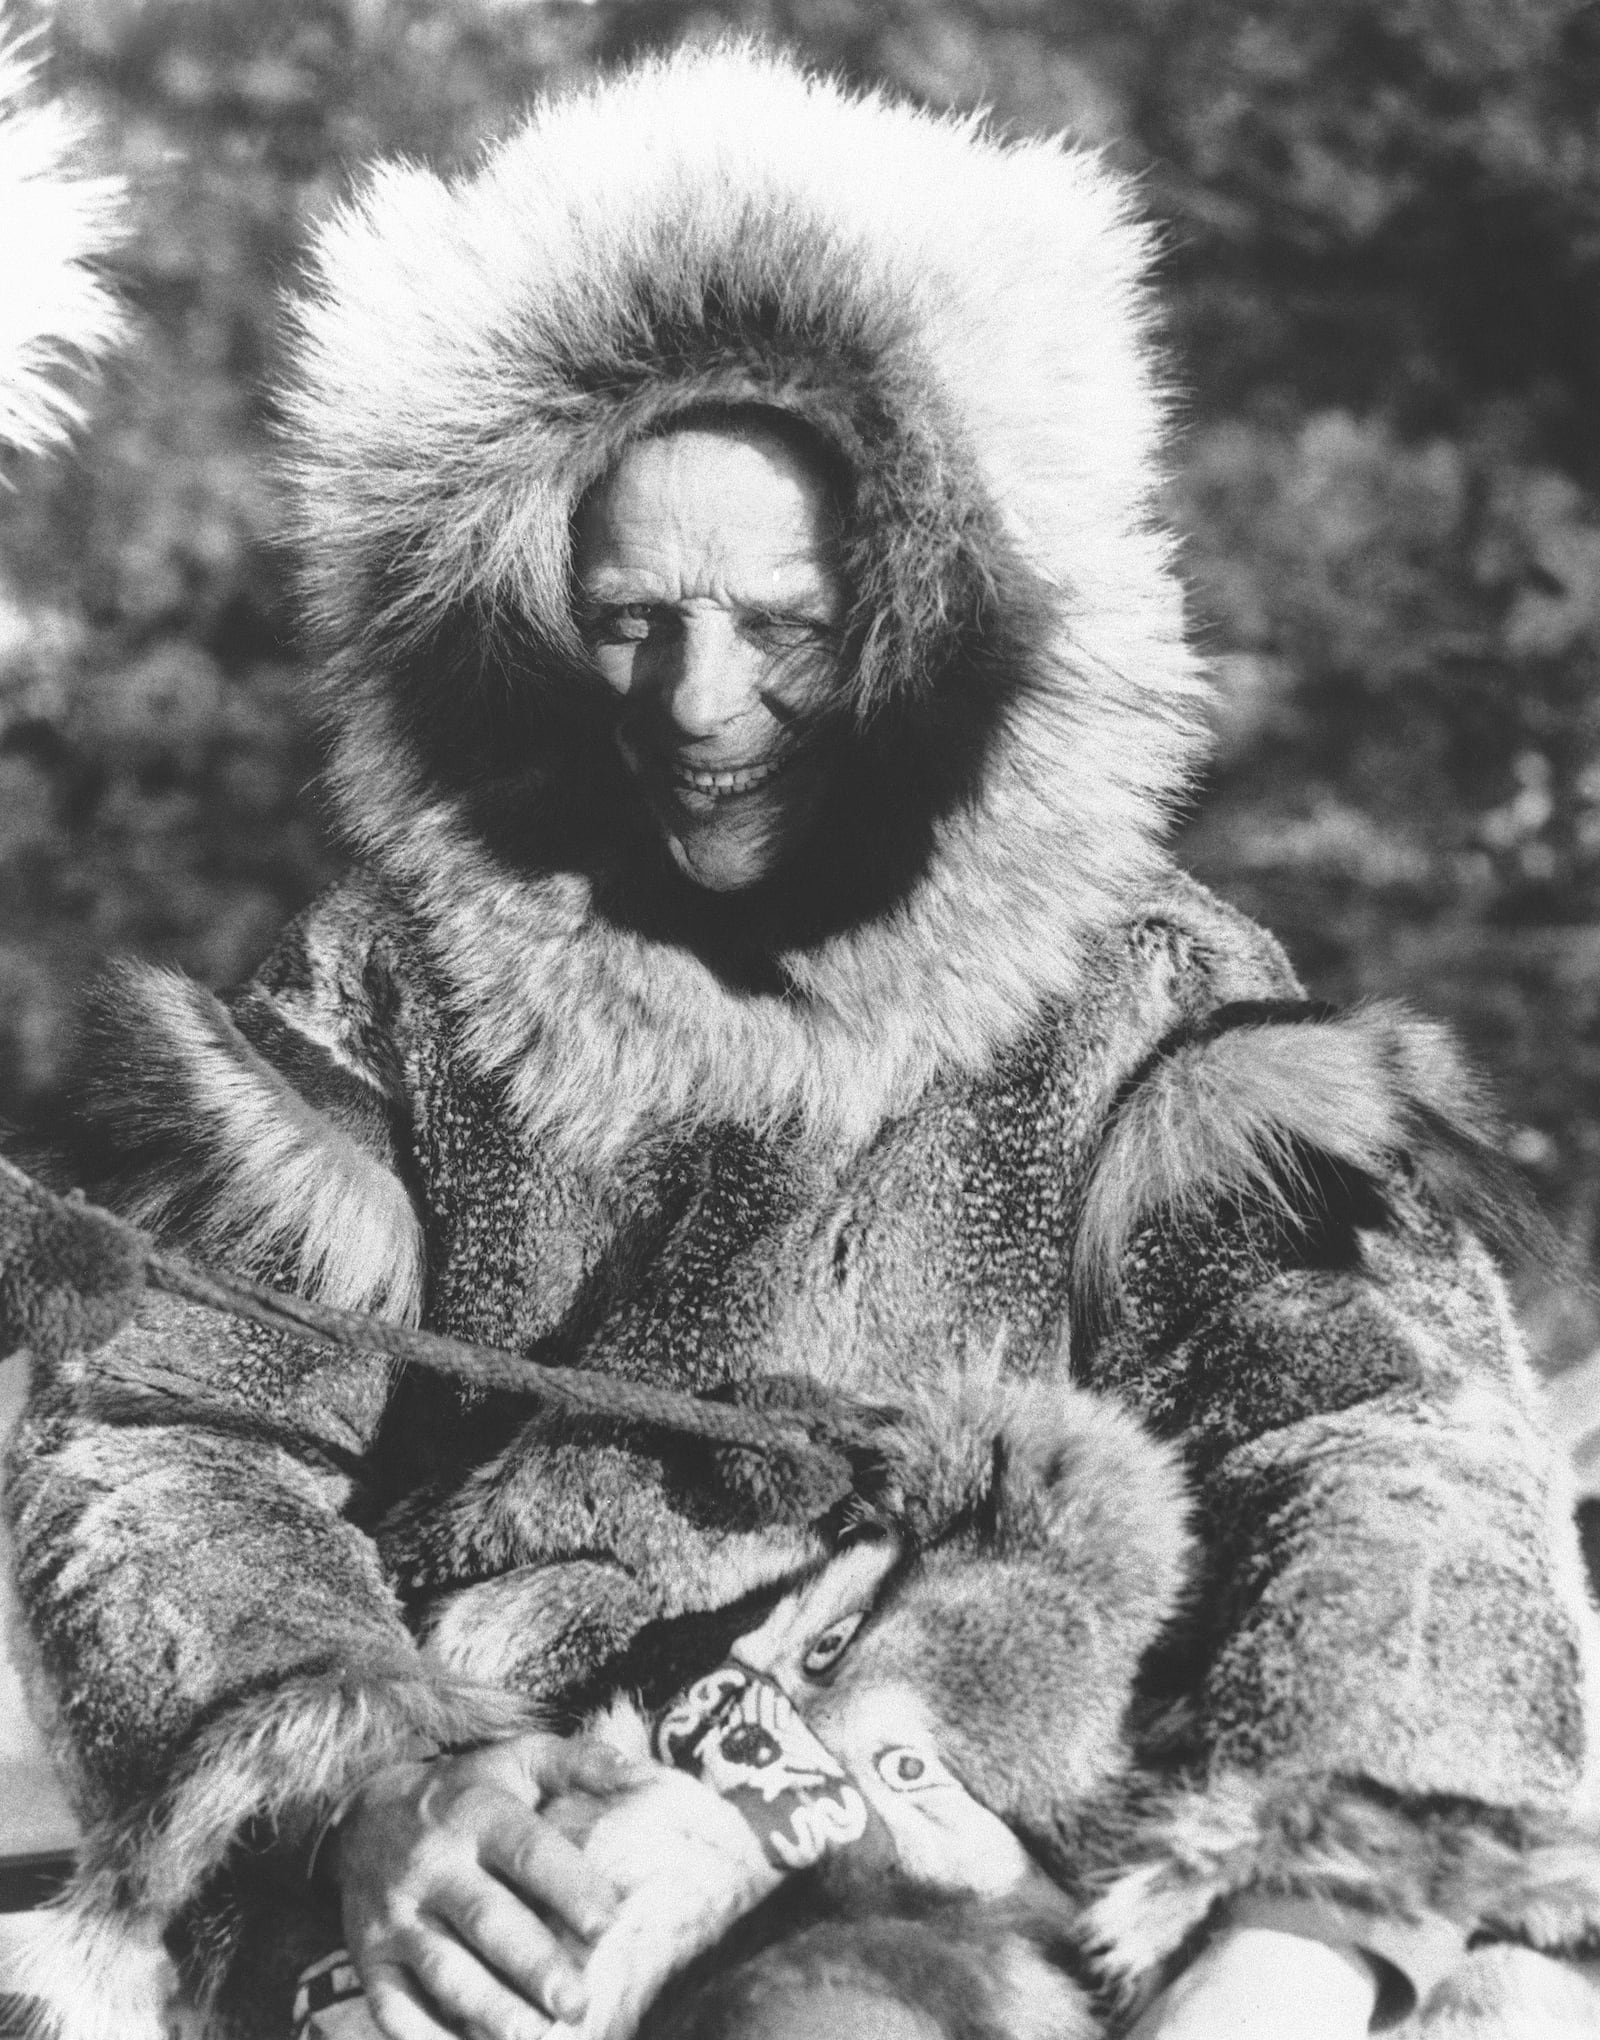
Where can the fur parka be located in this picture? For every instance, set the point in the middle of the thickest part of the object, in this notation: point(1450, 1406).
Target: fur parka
point(992, 1120)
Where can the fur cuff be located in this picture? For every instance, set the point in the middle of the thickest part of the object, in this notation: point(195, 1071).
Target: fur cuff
point(1036, 1465)
point(275, 1769)
point(1496, 1873)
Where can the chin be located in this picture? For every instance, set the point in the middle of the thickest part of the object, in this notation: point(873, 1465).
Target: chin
point(732, 853)
point(719, 870)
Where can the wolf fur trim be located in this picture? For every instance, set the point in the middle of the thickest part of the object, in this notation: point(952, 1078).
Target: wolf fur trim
point(1050, 1548)
point(211, 1147)
point(1035, 1466)
point(1495, 1873)
point(56, 225)
point(964, 323)
point(1239, 1108)
point(282, 1763)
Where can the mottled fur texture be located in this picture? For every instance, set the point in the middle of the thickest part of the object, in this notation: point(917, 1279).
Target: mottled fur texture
point(1239, 1107)
point(58, 224)
point(966, 1970)
point(1357, 1849)
point(217, 1149)
point(990, 1110)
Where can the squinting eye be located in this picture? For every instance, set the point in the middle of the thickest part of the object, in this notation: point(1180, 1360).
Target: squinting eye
point(780, 633)
point(908, 1770)
point(831, 1645)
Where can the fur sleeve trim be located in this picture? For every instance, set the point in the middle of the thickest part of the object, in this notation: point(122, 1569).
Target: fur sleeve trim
point(1243, 1105)
point(275, 1769)
point(197, 1136)
point(1495, 1874)
point(1045, 1468)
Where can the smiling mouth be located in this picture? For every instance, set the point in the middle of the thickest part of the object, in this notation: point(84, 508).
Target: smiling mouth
point(721, 785)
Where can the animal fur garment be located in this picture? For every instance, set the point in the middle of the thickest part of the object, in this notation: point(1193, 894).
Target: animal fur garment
point(977, 1111)
point(58, 222)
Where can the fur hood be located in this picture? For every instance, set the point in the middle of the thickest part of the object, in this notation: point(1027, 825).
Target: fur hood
point(963, 321)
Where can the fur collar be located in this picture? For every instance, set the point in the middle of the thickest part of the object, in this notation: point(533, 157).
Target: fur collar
point(965, 321)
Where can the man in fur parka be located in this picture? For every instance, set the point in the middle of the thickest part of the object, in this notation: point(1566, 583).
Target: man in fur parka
point(756, 687)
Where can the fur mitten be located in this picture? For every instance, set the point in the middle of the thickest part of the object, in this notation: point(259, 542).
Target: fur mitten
point(70, 1273)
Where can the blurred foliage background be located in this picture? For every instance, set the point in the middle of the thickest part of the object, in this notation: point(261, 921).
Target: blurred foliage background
point(1383, 273)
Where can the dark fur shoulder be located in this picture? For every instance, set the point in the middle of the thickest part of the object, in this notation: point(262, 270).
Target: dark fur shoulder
point(260, 1131)
point(1296, 1107)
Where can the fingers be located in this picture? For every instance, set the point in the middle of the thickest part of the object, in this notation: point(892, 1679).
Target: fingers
point(537, 1860)
point(498, 1930)
point(475, 1963)
point(585, 1764)
point(442, 1994)
point(461, 1899)
point(548, 1765)
point(398, 2010)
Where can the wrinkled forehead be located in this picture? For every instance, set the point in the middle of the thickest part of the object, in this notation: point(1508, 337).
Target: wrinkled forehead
point(711, 502)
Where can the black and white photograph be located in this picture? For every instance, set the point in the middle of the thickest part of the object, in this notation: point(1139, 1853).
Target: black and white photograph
point(799, 1019)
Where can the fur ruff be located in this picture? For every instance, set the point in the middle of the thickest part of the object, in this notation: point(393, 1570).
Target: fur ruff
point(295, 1753)
point(1521, 1878)
point(214, 1148)
point(1240, 1110)
point(965, 322)
point(57, 225)
point(1047, 1466)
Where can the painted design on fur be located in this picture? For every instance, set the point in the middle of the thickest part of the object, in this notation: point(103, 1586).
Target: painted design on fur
point(1003, 425)
point(57, 225)
point(211, 1146)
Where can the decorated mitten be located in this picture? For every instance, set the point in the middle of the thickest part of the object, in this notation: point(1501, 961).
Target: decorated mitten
point(70, 1273)
point(739, 1733)
point(692, 1862)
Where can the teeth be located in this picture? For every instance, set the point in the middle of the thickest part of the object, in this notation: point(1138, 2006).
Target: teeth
point(724, 782)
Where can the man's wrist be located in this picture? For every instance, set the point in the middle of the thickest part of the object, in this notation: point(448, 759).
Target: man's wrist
point(322, 1852)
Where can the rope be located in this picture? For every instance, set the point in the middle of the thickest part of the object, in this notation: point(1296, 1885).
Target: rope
point(575, 1391)
point(826, 1445)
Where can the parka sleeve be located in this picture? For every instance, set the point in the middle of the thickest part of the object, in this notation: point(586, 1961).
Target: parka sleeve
point(217, 1651)
point(1280, 1265)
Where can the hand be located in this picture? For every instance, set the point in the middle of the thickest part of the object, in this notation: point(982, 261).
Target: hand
point(687, 1865)
point(1253, 1983)
point(460, 1897)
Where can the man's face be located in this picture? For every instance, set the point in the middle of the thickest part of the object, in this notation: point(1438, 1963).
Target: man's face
point(712, 603)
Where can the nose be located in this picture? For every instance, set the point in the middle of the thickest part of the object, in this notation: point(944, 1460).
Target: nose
point(712, 675)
